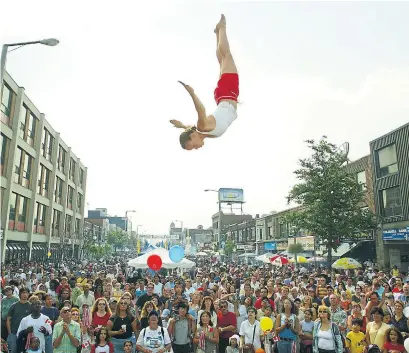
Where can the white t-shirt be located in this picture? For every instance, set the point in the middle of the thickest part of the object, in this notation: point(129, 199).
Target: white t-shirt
point(43, 320)
point(104, 349)
point(246, 330)
point(153, 339)
point(157, 289)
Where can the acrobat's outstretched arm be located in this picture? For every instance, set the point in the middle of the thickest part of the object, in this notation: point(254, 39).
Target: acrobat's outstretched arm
point(202, 121)
point(179, 125)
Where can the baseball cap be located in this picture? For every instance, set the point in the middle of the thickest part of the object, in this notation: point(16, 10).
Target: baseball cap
point(165, 313)
point(113, 300)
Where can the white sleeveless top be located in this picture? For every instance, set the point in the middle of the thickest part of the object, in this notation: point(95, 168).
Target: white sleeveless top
point(224, 115)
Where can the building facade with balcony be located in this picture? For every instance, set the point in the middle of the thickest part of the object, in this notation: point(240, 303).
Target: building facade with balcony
point(390, 168)
point(243, 235)
point(43, 184)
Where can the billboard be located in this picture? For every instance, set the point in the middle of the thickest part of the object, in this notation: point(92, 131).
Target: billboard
point(396, 234)
point(231, 195)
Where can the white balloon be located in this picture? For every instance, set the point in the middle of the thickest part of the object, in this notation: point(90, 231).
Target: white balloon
point(406, 344)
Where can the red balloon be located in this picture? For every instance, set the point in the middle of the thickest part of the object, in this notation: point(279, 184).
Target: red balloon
point(154, 262)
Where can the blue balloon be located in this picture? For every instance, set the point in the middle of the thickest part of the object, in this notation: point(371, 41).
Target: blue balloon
point(176, 253)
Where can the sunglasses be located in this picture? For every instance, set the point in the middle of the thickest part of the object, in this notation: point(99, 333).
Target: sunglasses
point(222, 306)
point(66, 311)
point(123, 303)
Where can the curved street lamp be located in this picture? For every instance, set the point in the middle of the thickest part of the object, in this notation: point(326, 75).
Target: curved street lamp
point(51, 42)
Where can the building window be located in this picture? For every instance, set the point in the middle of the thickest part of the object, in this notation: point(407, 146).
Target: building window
point(43, 181)
point(387, 161)
point(58, 190)
point(70, 197)
point(61, 159)
point(81, 178)
point(18, 212)
point(22, 125)
point(6, 104)
point(72, 170)
point(28, 161)
point(56, 223)
point(4, 153)
point(79, 202)
point(361, 178)
point(17, 165)
point(31, 130)
point(39, 218)
point(391, 202)
point(47, 145)
point(67, 228)
point(77, 227)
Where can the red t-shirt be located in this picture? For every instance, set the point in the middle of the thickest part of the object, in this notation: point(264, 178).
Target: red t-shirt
point(389, 346)
point(227, 320)
point(258, 302)
point(100, 320)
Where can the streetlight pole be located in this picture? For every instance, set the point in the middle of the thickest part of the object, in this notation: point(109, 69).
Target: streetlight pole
point(219, 230)
point(51, 42)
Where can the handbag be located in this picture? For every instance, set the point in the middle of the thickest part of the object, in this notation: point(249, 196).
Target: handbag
point(250, 347)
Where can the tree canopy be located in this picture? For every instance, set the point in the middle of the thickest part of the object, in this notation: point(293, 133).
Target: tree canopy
point(330, 198)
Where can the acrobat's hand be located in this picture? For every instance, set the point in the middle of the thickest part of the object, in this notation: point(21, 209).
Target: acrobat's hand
point(177, 124)
point(187, 87)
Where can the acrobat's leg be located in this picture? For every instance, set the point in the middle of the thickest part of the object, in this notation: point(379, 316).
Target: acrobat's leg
point(227, 64)
point(218, 54)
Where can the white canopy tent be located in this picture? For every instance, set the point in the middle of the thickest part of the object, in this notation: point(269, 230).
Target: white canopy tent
point(142, 261)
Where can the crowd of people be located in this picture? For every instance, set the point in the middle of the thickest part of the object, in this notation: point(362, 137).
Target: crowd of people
point(214, 308)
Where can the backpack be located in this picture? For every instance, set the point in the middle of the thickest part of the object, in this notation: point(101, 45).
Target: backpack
point(161, 330)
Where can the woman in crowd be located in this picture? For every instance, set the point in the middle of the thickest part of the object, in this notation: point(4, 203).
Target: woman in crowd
point(399, 320)
point(307, 305)
point(250, 332)
point(121, 325)
point(287, 327)
point(326, 335)
point(208, 306)
point(100, 312)
point(376, 330)
point(146, 310)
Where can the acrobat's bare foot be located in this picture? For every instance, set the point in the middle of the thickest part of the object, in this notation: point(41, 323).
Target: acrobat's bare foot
point(222, 23)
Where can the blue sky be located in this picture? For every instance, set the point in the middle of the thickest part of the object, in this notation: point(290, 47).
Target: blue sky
point(307, 69)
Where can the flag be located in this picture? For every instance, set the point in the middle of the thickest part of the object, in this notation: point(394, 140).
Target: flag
point(138, 247)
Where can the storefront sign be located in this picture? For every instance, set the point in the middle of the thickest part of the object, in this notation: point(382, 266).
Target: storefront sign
point(245, 247)
point(270, 246)
point(306, 242)
point(396, 234)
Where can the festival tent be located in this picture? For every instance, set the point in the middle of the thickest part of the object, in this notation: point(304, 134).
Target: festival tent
point(142, 261)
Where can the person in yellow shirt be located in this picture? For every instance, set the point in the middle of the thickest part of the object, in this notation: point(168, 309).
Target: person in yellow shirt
point(82, 280)
point(355, 339)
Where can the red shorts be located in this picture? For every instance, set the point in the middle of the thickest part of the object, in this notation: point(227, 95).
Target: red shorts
point(227, 88)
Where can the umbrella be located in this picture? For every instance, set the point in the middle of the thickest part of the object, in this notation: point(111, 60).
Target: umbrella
point(346, 263)
point(278, 260)
point(300, 259)
point(317, 259)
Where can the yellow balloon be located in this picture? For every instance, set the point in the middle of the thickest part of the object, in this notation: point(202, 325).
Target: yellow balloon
point(49, 254)
point(266, 324)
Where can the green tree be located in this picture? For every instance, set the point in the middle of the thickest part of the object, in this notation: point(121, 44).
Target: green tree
point(117, 238)
point(229, 247)
point(295, 249)
point(329, 196)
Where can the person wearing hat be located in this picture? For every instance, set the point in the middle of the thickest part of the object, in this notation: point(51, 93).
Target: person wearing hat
point(6, 302)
